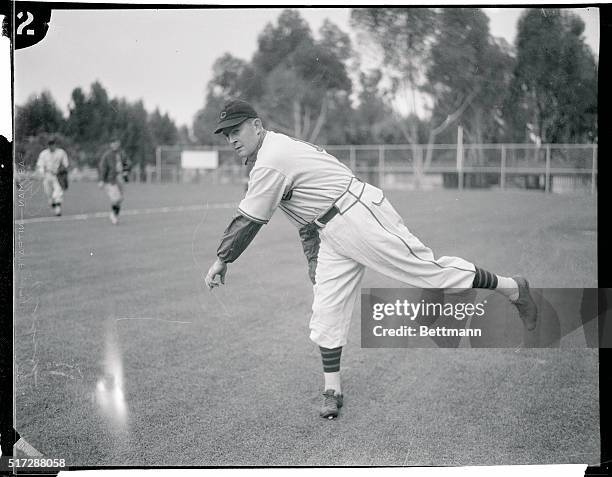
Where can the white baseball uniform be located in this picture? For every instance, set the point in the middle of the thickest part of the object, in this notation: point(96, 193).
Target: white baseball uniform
point(304, 181)
point(48, 164)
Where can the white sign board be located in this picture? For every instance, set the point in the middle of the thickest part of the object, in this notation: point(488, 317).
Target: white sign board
point(199, 159)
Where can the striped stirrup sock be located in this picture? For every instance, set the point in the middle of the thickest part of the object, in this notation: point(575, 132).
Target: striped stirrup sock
point(331, 359)
point(484, 279)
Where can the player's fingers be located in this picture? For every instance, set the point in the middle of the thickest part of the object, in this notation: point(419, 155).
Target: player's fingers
point(212, 282)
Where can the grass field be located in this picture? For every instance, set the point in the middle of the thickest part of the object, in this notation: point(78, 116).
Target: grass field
point(122, 357)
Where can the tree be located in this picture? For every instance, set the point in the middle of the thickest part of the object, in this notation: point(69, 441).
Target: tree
point(403, 37)
point(40, 114)
point(95, 119)
point(163, 130)
point(373, 121)
point(554, 88)
point(206, 119)
point(90, 121)
point(304, 77)
point(232, 78)
point(294, 80)
point(131, 126)
point(467, 77)
point(36, 122)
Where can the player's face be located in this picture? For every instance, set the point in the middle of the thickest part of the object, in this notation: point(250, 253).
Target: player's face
point(244, 137)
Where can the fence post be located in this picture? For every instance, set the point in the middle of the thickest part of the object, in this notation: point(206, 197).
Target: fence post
point(547, 175)
point(158, 164)
point(381, 166)
point(502, 179)
point(460, 157)
point(352, 159)
point(594, 169)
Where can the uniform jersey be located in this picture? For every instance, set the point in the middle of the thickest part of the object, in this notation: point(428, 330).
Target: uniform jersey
point(301, 179)
point(111, 166)
point(49, 162)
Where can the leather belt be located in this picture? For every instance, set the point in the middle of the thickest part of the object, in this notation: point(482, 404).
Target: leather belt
point(327, 216)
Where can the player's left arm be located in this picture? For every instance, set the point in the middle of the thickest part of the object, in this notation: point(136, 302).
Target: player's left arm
point(126, 162)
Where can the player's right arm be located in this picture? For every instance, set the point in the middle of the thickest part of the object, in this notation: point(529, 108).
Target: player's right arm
point(40, 164)
point(102, 170)
point(237, 236)
point(265, 191)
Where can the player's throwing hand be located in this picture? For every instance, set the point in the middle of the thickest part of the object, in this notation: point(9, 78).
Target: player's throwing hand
point(217, 269)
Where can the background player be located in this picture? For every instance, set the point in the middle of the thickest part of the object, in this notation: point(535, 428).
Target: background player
point(345, 225)
point(112, 170)
point(51, 161)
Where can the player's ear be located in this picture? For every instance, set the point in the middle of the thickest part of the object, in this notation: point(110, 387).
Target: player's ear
point(258, 125)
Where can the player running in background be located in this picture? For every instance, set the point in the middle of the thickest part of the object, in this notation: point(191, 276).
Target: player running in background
point(345, 226)
point(51, 161)
point(113, 170)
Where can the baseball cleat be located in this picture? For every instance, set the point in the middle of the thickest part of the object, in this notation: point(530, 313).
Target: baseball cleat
point(528, 311)
point(113, 218)
point(331, 405)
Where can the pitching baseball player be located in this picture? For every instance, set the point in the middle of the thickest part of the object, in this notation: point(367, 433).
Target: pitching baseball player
point(345, 226)
point(112, 171)
point(49, 162)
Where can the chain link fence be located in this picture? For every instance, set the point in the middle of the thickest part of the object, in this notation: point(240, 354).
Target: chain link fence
point(548, 167)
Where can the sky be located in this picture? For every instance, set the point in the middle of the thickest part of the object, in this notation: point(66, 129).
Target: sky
point(165, 57)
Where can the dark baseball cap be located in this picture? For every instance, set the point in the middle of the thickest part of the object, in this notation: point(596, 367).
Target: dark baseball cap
point(234, 112)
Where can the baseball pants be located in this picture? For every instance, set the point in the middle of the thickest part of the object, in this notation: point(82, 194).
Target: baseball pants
point(368, 232)
point(114, 193)
point(52, 189)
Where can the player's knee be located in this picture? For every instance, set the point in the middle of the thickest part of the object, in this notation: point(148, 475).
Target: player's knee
point(326, 340)
point(328, 330)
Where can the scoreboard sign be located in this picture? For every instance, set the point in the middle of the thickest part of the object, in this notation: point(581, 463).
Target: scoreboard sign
point(199, 159)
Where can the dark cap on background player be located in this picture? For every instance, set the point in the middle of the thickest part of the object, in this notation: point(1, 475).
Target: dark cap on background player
point(234, 112)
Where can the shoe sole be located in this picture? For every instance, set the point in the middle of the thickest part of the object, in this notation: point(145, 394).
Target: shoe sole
point(523, 283)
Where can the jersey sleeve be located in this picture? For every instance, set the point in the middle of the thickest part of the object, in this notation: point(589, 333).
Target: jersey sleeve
point(40, 163)
point(265, 190)
point(237, 236)
point(102, 168)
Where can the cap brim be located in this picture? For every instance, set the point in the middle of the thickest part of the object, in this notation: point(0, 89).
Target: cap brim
point(228, 123)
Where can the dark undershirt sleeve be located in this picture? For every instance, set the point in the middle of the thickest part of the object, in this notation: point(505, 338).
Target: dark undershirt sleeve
point(236, 238)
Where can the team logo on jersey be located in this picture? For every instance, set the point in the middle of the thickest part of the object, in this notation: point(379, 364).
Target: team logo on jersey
point(223, 114)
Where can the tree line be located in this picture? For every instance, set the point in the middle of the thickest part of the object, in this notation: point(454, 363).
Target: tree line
point(411, 76)
point(93, 120)
point(541, 89)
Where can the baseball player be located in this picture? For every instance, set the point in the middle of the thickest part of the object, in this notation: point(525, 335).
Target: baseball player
point(113, 170)
point(50, 161)
point(345, 226)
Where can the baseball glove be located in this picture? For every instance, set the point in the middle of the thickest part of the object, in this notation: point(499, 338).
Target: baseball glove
point(309, 235)
point(62, 177)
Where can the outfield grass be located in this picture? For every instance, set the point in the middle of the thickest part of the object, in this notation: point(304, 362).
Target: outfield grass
point(231, 378)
